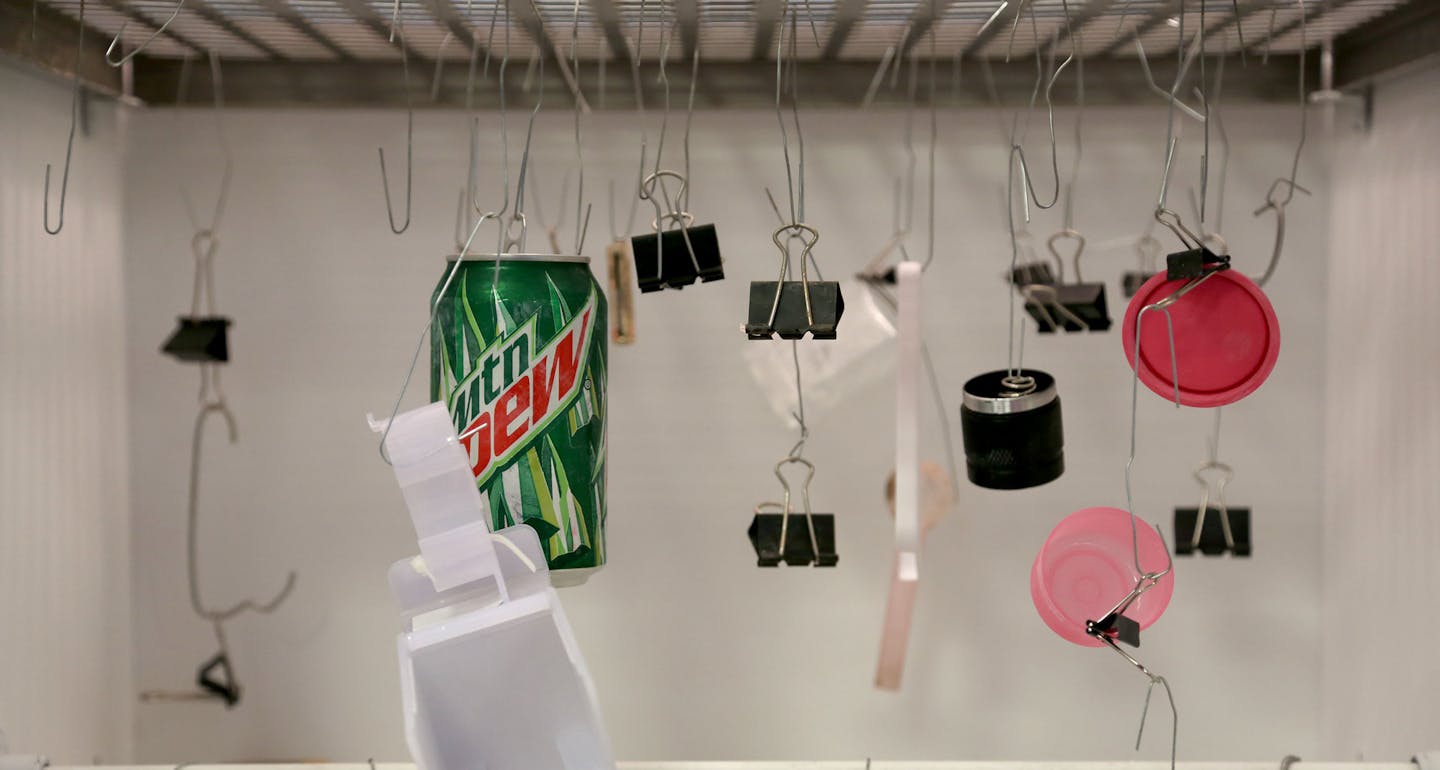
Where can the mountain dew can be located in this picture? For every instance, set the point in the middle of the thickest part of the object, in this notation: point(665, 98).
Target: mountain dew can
point(518, 357)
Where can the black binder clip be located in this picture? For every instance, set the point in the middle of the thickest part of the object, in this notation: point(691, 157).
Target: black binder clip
point(1073, 307)
point(1032, 273)
point(1147, 249)
point(1213, 529)
point(679, 252)
point(1033, 270)
point(1194, 263)
point(1117, 627)
point(807, 540)
point(225, 688)
point(200, 339)
point(794, 308)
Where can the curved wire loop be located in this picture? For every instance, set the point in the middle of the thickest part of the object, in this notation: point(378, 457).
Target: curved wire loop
point(671, 214)
point(1277, 205)
point(805, 497)
point(1070, 234)
point(797, 231)
point(1224, 474)
point(1014, 364)
point(219, 407)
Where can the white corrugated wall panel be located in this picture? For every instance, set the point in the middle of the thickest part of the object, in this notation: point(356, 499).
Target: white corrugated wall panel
point(1382, 511)
point(65, 642)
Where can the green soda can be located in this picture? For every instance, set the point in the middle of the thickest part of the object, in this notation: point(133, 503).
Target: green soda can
point(519, 360)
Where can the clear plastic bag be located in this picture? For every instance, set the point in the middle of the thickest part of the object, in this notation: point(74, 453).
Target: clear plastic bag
point(831, 370)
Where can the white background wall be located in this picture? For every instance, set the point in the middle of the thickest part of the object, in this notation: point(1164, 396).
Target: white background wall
point(65, 646)
point(1383, 432)
point(698, 654)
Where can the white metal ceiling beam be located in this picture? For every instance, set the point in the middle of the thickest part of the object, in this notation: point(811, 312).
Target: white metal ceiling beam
point(1311, 16)
point(848, 14)
point(728, 84)
point(924, 17)
point(1003, 18)
point(362, 12)
point(291, 17)
point(1078, 19)
point(609, 19)
point(145, 21)
point(767, 15)
point(1167, 11)
point(44, 40)
point(687, 14)
point(201, 8)
point(528, 14)
point(448, 17)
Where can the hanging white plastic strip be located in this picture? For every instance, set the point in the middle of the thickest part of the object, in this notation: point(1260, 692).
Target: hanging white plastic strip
point(907, 425)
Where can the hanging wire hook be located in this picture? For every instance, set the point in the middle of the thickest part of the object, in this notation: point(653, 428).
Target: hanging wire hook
point(439, 66)
point(1213, 114)
point(582, 218)
point(430, 323)
point(1016, 148)
point(1014, 365)
point(934, 140)
point(1145, 579)
point(203, 245)
point(1273, 201)
point(504, 131)
point(217, 89)
point(794, 227)
point(511, 240)
point(1168, 96)
point(69, 143)
point(192, 528)
point(143, 44)
point(785, 68)
point(409, 133)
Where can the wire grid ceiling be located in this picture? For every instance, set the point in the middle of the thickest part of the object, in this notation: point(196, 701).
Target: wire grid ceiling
point(329, 30)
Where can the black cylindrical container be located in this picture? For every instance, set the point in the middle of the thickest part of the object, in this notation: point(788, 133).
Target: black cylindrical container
point(1011, 425)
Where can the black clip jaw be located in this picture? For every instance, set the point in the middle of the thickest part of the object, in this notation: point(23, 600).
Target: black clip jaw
point(793, 316)
point(200, 340)
point(1212, 541)
point(1195, 263)
point(1116, 627)
point(764, 535)
point(225, 688)
point(1085, 308)
point(674, 247)
point(1032, 273)
point(1131, 282)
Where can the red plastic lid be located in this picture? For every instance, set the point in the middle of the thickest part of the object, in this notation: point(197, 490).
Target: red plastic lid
point(1227, 339)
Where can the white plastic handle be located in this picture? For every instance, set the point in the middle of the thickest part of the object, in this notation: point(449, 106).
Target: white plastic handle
point(907, 425)
point(439, 489)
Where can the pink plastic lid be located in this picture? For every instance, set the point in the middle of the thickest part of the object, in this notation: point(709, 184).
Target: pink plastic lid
point(1087, 565)
point(1226, 339)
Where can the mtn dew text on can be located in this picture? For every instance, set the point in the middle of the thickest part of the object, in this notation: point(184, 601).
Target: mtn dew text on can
point(519, 360)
